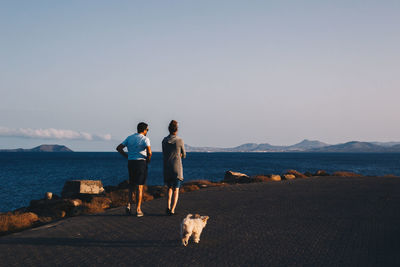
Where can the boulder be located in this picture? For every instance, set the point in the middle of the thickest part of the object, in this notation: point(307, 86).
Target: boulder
point(203, 183)
point(236, 177)
point(110, 188)
point(308, 174)
point(96, 205)
point(123, 185)
point(296, 174)
point(275, 177)
point(321, 173)
point(266, 178)
point(74, 188)
point(157, 191)
point(189, 188)
point(118, 197)
point(147, 196)
point(48, 195)
point(346, 174)
point(55, 208)
point(289, 176)
point(11, 222)
point(75, 202)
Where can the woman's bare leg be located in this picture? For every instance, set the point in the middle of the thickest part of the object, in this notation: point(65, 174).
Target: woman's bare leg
point(176, 195)
point(169, 197)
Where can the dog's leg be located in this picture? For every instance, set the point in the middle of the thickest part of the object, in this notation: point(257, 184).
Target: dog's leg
point(185, 239)
point(196, 236)
point(185, 234)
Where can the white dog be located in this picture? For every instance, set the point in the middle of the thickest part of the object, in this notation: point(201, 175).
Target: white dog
point(192, 225)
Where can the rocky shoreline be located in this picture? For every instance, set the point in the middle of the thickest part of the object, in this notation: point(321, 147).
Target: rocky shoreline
point(73, 202)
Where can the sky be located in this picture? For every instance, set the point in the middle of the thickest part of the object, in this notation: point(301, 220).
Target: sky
point(84, 73)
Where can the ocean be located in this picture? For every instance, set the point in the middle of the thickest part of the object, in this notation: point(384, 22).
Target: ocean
point(26, 176)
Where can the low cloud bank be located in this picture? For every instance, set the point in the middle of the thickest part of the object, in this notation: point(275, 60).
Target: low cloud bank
point(52, 133)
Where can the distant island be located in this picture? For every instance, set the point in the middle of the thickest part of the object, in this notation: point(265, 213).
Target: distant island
point(41, 148)
point(308, 146)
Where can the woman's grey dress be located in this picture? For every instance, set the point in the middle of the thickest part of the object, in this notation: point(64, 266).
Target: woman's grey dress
point(173, 151)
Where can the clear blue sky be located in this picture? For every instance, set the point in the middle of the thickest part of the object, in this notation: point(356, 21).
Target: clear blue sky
point(230, 72)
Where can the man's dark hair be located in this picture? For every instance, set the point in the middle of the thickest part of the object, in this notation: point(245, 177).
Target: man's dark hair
point(141, 127)
point(173, 127)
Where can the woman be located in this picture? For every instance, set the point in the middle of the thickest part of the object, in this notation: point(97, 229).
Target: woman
point(173, 152)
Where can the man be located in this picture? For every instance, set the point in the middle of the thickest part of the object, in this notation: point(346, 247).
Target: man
point(139, 155)
point(173, 152)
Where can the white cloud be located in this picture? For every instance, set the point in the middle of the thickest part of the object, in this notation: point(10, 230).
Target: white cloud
point(52, 133)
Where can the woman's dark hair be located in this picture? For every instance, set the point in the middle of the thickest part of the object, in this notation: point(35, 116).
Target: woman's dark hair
point(141, 127)
point(173, 127)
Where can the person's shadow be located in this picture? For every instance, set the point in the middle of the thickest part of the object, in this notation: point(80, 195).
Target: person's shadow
point(125, 215)
point(87, 242)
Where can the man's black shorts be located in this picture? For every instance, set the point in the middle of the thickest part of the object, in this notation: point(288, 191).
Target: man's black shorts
point(137, 172)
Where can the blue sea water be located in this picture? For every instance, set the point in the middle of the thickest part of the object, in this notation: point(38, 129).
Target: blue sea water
point(25, 176)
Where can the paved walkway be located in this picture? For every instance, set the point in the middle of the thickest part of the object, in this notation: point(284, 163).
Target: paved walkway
point(323, 221)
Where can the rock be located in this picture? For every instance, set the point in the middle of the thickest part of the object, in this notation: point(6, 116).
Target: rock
point(53, 208)
point(118, 197)
point(157, 191)
point(261, 178)
point(110, 188)
point(296, 174)
point(147, 196)
point(346, 174)
point(75, 202)
point(96, 205)
point(289, 176)
point(321, 173)
point(275, 177)
point(189, 188)
point(75, 187)
point(236, 177)
point(266, 178)
point(123, 185)
point(48, 195)
point(103, 202)
point(308, 174)
point(202, 183)
point(61, 214)
point(11, 222)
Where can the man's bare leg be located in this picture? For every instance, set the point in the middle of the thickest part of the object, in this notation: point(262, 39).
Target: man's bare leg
point(176, 195)
point(139, 196)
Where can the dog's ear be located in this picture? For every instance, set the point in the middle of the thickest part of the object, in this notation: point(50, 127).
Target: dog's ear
point(205, 218)
point(196, 216)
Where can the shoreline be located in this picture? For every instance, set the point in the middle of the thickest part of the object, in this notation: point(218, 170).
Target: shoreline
point(29, 176)
point(44, 211)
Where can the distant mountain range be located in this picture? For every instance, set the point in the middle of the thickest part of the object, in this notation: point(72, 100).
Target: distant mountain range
point(41, 148)
point(307, 146)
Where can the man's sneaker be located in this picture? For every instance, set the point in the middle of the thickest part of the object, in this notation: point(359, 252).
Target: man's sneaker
point(128, 209)
point(139, 214)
